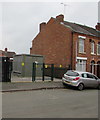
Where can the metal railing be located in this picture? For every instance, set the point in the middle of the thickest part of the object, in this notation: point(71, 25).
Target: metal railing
point(47, 70)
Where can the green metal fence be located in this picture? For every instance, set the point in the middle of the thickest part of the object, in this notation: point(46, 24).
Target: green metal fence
point(47, 71)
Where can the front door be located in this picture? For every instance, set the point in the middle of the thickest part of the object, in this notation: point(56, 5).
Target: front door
point(81, 65)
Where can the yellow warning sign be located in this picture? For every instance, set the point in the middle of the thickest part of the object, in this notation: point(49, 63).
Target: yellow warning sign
point(46, 66)
point(60, 66)
point(23, 64)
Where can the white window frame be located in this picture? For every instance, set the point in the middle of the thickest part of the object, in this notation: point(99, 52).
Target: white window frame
point(92, 47)
point(81, 45)
point(98, 45)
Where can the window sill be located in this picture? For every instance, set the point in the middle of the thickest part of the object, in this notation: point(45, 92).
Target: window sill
point(82, 53)
point(93, 54)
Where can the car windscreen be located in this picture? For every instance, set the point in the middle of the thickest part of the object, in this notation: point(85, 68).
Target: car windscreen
point(72, 73)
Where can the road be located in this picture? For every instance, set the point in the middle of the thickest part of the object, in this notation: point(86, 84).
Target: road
point(54, 103)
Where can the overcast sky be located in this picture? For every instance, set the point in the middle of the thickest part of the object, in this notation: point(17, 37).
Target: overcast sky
point(20, 20)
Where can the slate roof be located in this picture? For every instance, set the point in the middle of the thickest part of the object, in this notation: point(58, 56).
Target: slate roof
point(81, 29)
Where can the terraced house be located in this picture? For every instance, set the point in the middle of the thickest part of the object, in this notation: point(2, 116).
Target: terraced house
point(69, 44)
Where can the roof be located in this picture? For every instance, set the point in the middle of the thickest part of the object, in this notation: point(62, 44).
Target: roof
point(29, 55)
point(7, 53)
point(81, 29)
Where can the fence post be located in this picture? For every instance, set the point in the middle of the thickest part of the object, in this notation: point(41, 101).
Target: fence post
point(43, 71)
point(52, 71)
point(10, 70)
point(33, 71)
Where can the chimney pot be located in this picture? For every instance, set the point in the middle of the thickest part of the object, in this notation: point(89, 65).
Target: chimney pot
point(6, 49)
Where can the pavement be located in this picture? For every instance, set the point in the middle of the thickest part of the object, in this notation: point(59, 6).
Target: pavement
point(26, 84)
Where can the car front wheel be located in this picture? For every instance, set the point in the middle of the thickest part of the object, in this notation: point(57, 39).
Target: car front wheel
point(80, 87)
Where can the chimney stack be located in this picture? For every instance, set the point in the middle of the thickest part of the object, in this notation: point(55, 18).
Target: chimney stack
point(60, 18)
point(42, 26)
point(98, 26)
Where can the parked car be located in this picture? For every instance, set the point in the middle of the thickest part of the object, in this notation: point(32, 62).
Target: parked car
point(81, 80)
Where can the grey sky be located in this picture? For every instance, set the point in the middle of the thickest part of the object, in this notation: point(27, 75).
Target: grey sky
point(20, 20)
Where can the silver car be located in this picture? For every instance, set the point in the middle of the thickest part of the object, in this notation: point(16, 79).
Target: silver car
point(80, 79)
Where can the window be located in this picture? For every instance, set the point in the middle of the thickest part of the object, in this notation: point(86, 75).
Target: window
point(81, 45)
point(98, 48)
point(84, 75)
point(71, 73)
point(92, 47)
point(91, 76)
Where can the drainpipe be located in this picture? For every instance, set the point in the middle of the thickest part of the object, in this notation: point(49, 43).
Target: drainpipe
point(76, 53)
point(73, 62)
point(72, 52)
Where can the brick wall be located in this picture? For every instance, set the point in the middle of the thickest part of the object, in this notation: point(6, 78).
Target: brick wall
point(58, 45)
point(54, 42)
point(87, 48)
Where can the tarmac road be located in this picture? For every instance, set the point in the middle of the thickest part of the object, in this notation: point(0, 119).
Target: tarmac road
point(53, 103)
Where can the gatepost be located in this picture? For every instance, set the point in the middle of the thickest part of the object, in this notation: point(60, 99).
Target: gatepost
point(33, 71)
point(43, 72)
point(52, 71)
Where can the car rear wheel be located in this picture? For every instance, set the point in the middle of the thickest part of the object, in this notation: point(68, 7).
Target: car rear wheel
point(64, 85)
point(80, 86)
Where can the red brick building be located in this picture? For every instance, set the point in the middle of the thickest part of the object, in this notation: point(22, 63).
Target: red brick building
point(66, 43)
point(7, 53)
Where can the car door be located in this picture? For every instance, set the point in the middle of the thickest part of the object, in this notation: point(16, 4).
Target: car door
point(92, 80)
point(86, 80)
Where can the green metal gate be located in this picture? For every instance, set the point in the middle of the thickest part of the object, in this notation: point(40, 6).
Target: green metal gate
point(5, 69)
point(38, 71)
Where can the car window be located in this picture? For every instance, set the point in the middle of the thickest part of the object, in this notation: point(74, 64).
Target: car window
point(72, 73)
point(91, 76)
point(95, 77)
point(84, 75)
